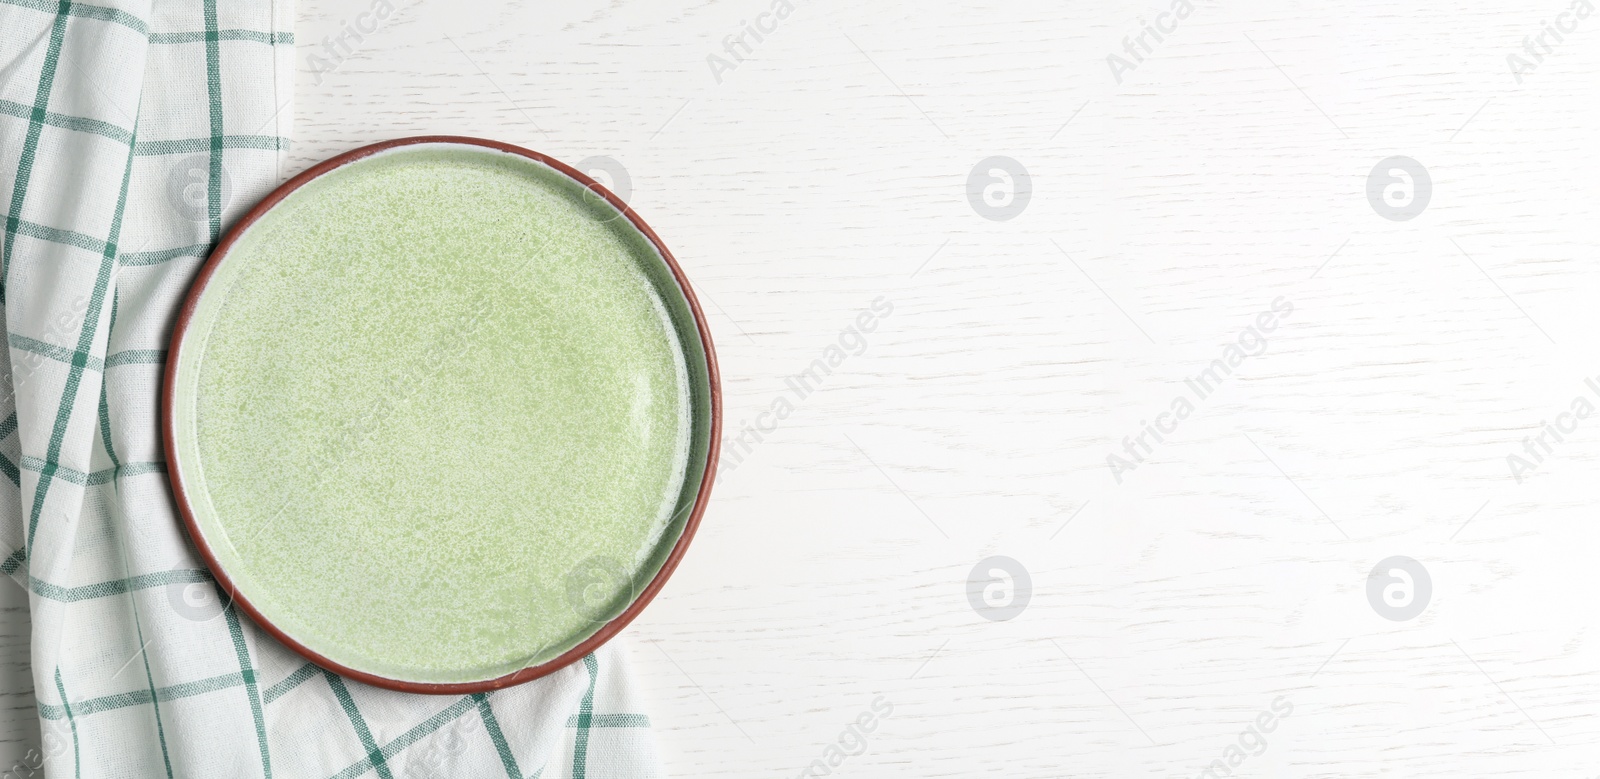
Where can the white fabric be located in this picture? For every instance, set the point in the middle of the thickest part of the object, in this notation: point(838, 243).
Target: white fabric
point(140, 669)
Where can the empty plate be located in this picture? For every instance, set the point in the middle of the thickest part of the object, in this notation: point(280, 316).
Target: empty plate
point(441, 414)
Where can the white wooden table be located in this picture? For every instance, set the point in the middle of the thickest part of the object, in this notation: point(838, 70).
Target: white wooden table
point(1225, 578)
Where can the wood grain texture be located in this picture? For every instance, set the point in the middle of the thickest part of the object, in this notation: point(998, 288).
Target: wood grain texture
point(1226, 171)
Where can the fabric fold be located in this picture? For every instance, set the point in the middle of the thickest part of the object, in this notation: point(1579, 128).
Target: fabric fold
point(131, 135)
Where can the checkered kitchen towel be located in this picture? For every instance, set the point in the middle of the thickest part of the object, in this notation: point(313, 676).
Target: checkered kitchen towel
point(131, 134)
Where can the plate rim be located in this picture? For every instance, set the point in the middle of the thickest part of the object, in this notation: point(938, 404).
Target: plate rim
point(175, 478)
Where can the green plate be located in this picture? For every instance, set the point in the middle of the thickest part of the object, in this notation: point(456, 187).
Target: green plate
point(441, 414)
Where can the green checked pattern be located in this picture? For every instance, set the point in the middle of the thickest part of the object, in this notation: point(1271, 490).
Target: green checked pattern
point(136, 133)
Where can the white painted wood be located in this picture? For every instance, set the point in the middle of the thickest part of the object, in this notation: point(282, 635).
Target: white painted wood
point(1227, 170)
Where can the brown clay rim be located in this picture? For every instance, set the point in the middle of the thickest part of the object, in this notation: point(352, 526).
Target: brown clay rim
point(175, 472)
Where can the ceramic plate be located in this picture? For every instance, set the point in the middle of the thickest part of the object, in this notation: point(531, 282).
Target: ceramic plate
point(441, 414)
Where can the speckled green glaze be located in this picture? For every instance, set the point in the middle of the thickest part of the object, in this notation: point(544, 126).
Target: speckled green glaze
point(435, 415)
